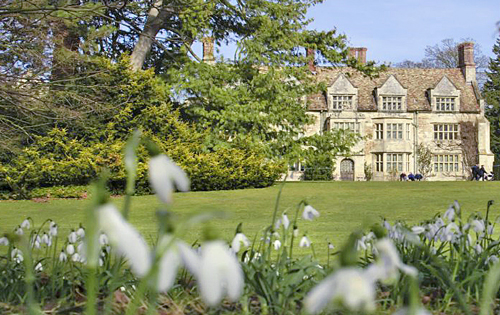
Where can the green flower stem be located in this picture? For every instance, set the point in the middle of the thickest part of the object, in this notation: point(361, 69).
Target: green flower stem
point(294, 226)
point(275, 213)
point(29, 280)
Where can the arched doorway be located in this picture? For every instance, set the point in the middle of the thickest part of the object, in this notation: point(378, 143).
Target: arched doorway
point(347, 169)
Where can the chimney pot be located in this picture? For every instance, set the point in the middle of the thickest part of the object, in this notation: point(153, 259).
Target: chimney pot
point(208, 49)
point(466, 61)
point(358, 53)
point(311, 54)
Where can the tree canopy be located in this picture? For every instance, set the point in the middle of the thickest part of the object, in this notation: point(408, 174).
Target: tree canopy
point(491, 92)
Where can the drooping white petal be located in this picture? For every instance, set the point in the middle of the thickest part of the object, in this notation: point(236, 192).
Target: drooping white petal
point(163, 175)
point(80, 232)
point(285, 220)
point(277, 244)
point(39, 267)
point(63, 257)
point(295, 232)
point(304, 242)
point(53, 229)
point(125, 239)
point(390, 262)
point(103, 239)
point(348, 286)
point(418, 230)
point(239, 239)
point(26, 224)
point(168, 264)
point(450, 214)
point(76, 257)
point(478, 226)
point(190, 258)
point(72, 237)
point(70, 249)
point(4, 241)
point(309, 213)
point(19, 231)
point(220, 273)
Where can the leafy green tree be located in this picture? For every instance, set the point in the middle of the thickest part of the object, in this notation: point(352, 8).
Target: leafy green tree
point(491, 93)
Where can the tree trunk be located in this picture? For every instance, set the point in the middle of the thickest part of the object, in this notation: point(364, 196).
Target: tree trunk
point(156, 18)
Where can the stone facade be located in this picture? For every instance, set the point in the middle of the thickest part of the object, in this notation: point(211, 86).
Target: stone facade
point(400, 111)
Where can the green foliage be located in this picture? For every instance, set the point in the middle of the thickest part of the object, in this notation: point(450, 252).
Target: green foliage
point(491, 92)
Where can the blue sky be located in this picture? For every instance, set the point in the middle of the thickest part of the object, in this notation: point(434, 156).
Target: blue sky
point(395, 30)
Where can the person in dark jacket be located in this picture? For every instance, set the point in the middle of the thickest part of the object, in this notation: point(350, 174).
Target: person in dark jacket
point(475, 172)
point(481, 173)
point(411, 177)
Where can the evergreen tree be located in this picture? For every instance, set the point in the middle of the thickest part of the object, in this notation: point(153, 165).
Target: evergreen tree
point(491, 93)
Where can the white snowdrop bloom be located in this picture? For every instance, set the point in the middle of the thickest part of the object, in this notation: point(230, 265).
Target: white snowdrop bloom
point(80, 248)
point(285, 221)
point(168, 264)
point(36, 242)
point(295, 232)
point(4, 241)
point(390, 262)
point(80, 232)
point(478, 248)
point(309, 213)
point(406, 311)
point(26, 224)
point(361, 244)
point(19, 231)
point(350, 287)
point(450, 214)
point(125, 239)
point(72, 237)
point(493, 259)
point(100, 262)
point(76, 257)
point(63, 257)
point(190, 257)
point(70, 249)
point(452, 232)
point(53, 229)
point(163, 175)
point(330, 246)
point(16, 255)
point(220, 274)
point(439, 222)
point(39, 267)
point(277, 244)
point(490, 228)
point(418, 230)
point(304, 242)
point(103, 239)
point(387, 225)
point(239, 239)
point(478, 226)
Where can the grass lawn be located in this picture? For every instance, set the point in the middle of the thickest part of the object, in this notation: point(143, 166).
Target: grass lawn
point(344, 206)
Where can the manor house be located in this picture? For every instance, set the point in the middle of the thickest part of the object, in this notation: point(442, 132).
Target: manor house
point(402, 110)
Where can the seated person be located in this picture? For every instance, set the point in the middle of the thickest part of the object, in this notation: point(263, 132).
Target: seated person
point(418, 176)
point(411, 177)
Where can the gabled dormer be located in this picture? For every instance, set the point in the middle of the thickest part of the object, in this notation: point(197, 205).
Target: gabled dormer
point(342, 95)
point(391, 96)
point(445, 96)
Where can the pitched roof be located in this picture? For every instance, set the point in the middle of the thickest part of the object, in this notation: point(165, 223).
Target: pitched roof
point(417, 81)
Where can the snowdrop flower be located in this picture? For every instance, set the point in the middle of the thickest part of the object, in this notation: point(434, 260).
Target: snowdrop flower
point(53, 229)
point(493, 259)
point(285, 221)
point(46, 239)
point(4, 241)
point(124, 238)
point(478, 226)
point(478, 248)
point(418, 230)
point(163, 175)
point(239, 239)
point(450, 214)
point(80, 232)
point(439, 222)
point(296, 232)
point(490, 228)
point(19, 231)
point(330, 246)
point(76, 257)
point(39, 267)
point(62, 256)
point(168, 264)
point(80, 248)
point(309, 213)
point(72, 237)
point(26, 224)
point(103, 239)
point(387, 225)
point(36, 242)
point(389, 262)
point(304, 242)
point(70, 249)
point(16, 255)
point(277, 244)
point(350, 287)
point(220, 273)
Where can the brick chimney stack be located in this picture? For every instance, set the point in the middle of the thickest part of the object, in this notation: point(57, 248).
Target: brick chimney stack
point(466, 61)
point(358, 53)
point(208, 50)
point(311, 53)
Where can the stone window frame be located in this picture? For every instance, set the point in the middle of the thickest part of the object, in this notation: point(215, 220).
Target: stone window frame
point(440, 106)
point(437, 93)
point(394, 133)
point(336, 125)
point(451, 134)
point(446, 162)
point(343, 102)
point(379, 162)
point(398, 162)
point(379, 131)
